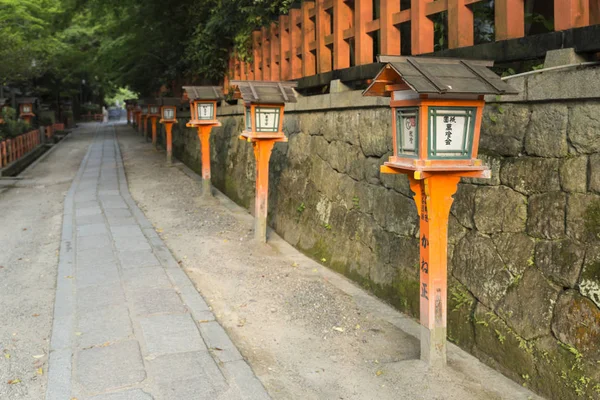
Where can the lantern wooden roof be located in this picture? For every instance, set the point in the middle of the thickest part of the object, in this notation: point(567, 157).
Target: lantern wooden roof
point(26, 100)
point(131, 101)
point(169, 101)
point(148, 101)
point(265, 92)
point(441, 76)
point(203, 92)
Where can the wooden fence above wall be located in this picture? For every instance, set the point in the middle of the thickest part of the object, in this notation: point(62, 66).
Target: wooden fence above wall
point(326, 35)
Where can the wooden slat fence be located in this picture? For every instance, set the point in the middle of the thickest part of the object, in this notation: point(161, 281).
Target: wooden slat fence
point(319, 36)
point(13, 149)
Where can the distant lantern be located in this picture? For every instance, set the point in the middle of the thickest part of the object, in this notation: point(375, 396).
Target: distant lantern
point(203, 112)
point(154, 115)
point(264, 103)
point(26, 108)
point(437, 106)
point(130, 106)
point(168, 111)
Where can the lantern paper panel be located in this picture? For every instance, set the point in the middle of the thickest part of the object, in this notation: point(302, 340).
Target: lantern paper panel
point(407, 131)
point(168, 113)
point(451, 132)
point(154, 110)
point(26, 108)
point(267, 119)
point(206, 111)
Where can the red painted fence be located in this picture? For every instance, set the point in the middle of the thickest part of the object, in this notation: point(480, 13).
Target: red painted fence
point(318, 37)
point(13, 149)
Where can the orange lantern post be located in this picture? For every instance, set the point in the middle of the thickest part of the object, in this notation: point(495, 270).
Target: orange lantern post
point(26, 108)
point(145, 117)
point(130, 105)
point(154, 115)
point(137, 115)
point(437, 107)
point(169, 117)
point(264, 103)
point(203, 109)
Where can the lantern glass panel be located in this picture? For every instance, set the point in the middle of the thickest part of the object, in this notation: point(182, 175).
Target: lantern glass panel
point(206, 111)
point(267, 119)
point(153, 110)
point(168, 113)
point(248, 119)
point(451, 132)
point(407, 132)
point(26, 109)
point(144, 110)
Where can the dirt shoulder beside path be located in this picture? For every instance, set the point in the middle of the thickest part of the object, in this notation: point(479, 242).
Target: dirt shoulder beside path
point(31, 213)
point(307, 332)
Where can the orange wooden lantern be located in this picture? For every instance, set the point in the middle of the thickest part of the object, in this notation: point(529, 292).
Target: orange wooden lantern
point(137, 115)
point(264, 103)
point(154, 116)
point(26, 108)
point(437, 107)
point(145, 104)
point(203, 110)
point(168, 112)
point(130, 105)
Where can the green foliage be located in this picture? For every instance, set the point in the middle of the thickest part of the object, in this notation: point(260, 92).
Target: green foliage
point(12, 126)
point(119, 97)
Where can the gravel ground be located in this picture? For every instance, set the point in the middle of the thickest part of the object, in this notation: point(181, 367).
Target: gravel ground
point(307, 332)
point(30, 229)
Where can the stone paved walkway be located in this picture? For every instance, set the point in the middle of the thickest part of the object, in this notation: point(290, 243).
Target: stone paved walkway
point(128, 322)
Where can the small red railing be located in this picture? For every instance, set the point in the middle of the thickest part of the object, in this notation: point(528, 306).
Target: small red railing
point(13, 149)
point(320, 36)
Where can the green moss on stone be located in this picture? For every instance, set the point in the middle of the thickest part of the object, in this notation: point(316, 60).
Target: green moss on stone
point(592, 219)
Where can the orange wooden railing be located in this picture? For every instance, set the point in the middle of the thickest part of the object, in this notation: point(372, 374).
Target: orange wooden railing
point(13, 149)
point(59, 127)
point(317, 37)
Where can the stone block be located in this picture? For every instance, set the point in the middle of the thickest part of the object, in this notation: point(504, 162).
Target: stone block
point(105, 325)
point(573, 174)
point(167, 334)
point(503, 132)
point(118, 213)
point(547, 215)
point(461, 306)
point(546, 134)
point(375, 133)
point(191, 375)
point(92, 230)
point(134, 394)
point(126, 244)
point(155, 301)
point(93, 298)
point(396, 213)
point(589, 283)
point(126, 231)
point(218, 342)
point(560, 57)
point(499, 209)
point(583, 217)
point(463, 207)
point(150, 278)
point(478, 266)
point(240, 374)
point(516, 250)
point(398, 182)
point(584, 125)
point(528, 305)
point(560, 260)
point(577, 323)
point(530, 175)
point(93, 242)
point(100, 275)
point(494, 163)
point(594, 174)
point(107, 368)
point(89, 219)
point(137, 258)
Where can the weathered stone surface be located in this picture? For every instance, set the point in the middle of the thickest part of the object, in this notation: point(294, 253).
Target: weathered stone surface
point(560, 261)
point(547, 215)
point(463, 206)
point(528, 305)
point(531, 175)
point(398, 182)
point(573, 174)
point(577, 323)
point(461, 306)
point(516, 250)
point(583, 217)
point(499, 209)
point(375, 133)
point(504, 136)
point(499, 347)
point(594, 174)
point(494, 163)
point(396, 213)
point(589, 284)
point(477, 265)
point(547, 132)
point(584, 125)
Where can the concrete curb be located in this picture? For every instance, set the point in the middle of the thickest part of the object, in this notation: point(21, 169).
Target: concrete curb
point(229, 359)
point(60, 358)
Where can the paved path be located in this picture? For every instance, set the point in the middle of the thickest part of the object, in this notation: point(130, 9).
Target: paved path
point(128, 323)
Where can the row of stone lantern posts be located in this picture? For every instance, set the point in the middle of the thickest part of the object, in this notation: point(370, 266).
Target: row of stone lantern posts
point(437, 107)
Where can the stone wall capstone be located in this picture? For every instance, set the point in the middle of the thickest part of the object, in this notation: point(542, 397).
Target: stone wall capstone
point(524, 246)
